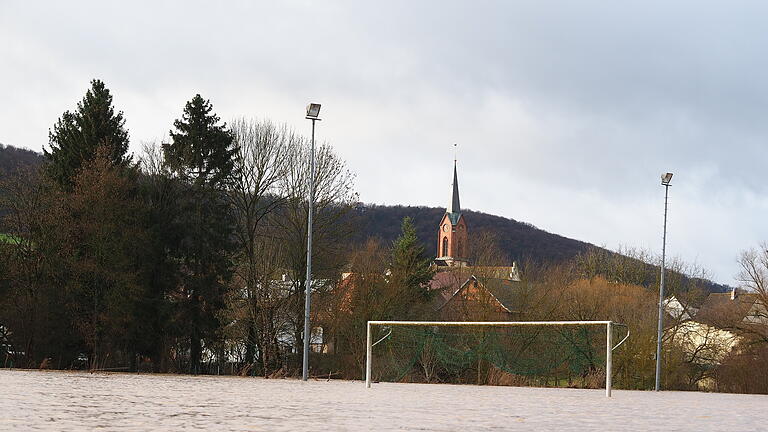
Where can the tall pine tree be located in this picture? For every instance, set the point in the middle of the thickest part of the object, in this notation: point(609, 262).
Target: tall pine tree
point(201, 153)
point(201, 150)
point(76, 135)
point(410, 269)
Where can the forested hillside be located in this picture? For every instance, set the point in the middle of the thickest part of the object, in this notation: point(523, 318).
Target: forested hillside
point(13, 158)
point(519, 241)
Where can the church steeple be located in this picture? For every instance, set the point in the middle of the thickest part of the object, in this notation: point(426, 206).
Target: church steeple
point(452, 233)
point(455, 206)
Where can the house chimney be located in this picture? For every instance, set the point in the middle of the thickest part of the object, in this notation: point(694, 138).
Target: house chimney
point(733, 294)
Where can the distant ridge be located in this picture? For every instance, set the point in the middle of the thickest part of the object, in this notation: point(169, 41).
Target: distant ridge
point(519, 240)
point(13, 158)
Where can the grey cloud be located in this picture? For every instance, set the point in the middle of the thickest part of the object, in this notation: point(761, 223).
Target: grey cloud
point(560, 108)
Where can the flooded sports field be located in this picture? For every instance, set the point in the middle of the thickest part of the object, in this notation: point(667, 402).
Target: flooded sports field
point(66, 401)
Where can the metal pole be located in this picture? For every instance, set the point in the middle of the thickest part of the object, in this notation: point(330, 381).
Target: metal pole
point(308, 288)
point(661, 294)
point(608, 358)
point(368, 350)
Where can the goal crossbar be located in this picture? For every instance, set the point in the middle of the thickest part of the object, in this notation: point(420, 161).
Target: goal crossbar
point(608, 338)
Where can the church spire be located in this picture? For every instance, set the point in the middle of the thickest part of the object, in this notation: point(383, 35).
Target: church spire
point(452, 239)
point(455, 206)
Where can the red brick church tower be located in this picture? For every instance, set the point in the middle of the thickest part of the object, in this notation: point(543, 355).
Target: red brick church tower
point(452, 242)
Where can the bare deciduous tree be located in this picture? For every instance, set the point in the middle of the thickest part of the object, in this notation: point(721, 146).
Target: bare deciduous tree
point(334, 197)
point(754, 278)
point(30, 252)
point(261, 163)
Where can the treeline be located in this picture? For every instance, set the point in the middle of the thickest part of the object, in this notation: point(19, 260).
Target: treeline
point(518, 241)
point(111, 261)
point(515, 241)
point(725, 348)
point(595, 285)
point(730, 354)
point(12, 159)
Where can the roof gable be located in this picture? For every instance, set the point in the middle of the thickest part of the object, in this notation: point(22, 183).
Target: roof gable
point(453, 218)
point(720, 309)
point(504, 292)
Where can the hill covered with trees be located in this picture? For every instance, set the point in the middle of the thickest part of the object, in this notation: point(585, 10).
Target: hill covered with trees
point(12, 158)
point(516, 241)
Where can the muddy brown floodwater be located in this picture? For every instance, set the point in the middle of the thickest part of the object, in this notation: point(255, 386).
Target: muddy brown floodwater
point(73, 401)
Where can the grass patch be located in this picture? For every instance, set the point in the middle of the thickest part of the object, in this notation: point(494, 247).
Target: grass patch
point(9, 239)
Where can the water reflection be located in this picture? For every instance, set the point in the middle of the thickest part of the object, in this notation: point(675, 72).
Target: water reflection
point(77, 401)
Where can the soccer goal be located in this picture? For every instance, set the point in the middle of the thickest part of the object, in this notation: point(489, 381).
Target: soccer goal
point(510, 345)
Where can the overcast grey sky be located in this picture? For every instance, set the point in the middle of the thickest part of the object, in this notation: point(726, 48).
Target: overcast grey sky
point(565, 113)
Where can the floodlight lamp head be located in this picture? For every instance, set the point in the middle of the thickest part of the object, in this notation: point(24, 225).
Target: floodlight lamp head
point(666, 178)
point(313, 110)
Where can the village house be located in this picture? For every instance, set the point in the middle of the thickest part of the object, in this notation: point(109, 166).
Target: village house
point(709, 333)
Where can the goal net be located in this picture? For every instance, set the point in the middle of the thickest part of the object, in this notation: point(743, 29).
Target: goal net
point(539, 353)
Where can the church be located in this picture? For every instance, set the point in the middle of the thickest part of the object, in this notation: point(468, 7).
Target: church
point(466, 291)
point(462, 291)
point(452, 232)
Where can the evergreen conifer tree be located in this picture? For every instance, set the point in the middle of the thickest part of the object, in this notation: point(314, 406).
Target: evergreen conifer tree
point(201, 154)
point(409, 266)
point(201, 150)
point(76, 136)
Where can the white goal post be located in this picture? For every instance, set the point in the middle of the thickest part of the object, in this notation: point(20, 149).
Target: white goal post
point(608, 338)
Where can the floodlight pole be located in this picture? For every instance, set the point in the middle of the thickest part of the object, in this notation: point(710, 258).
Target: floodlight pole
point(308, 287)
point(661, 286)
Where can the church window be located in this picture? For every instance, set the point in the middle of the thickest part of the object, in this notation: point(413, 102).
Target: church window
point(445, 246)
